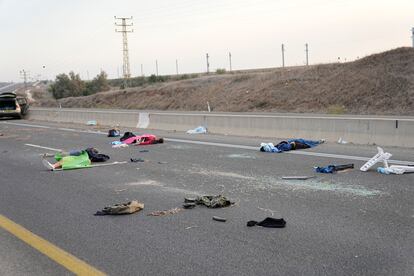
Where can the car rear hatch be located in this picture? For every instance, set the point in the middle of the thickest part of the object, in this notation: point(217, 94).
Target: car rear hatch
point(8, 102)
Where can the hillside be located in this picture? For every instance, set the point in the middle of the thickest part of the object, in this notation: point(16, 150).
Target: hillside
point(378, 84)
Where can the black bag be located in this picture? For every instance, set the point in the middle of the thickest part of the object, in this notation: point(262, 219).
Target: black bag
point(95, 156)
point(126, 136)
point(114, 133)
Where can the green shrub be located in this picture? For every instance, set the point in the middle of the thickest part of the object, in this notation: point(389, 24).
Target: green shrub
point(220, 71)
point(336, 109)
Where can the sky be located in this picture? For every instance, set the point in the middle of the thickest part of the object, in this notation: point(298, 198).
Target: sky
point(49, 37)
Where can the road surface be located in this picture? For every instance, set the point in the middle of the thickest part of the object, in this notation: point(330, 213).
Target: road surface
point(350, 223)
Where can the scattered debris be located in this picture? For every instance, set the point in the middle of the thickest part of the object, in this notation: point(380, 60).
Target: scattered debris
point(94, 155)
point(91, 123)
point(165, 212)
point(1, 134)
point(268, 222)
point(395, 169)
point(189, 205)
point(162, 162)
point(215, 201)
point(144, 151)
point(120, 190)
point(197, 130)
point(189, 227)
point(127, 135)
point(121, 145)
point(219, 219)
point(114, 133)
point(121, 209)
point(297, 177)
point(95, 165)
point(116, 143)
point(333, 168)
point(135, 160)
point(380, 156)
point(342, 141)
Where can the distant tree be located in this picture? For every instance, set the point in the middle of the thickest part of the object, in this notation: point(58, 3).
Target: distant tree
point(98, 84)
point(62, 87)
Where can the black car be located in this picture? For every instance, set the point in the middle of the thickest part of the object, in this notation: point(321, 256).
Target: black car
point(12, 105)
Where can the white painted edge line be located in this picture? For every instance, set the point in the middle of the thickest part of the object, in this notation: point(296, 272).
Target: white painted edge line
point(308, 153)
point(41, 147)
point(228, 115)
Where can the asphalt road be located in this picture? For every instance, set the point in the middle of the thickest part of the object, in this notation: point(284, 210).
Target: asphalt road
point(350, 223)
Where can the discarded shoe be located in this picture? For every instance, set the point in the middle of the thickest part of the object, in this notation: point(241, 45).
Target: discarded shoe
point(268, 222)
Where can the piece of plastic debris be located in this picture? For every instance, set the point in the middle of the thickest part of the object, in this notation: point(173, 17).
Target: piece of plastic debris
point(165, 212)
point(297, 177)
point(396, 169)
point(116, 143)
point(342, 141)
point(120, 146)
point(91, 123)
point(189, 227)
point(134, 160)
point(219, 219)
point(197, 130)
point(144, 151)
point(380, 156)
point(162, 162)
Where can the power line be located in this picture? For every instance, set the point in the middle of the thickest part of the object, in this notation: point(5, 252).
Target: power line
point(125, 67)
point(24, 75)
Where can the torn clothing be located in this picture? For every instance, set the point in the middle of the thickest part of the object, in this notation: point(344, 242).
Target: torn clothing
point(291, 144)
point(145, 139)
point(333, 168)
point(114, 133)
point(121, 209)
point(74, 161)
point(215, 201)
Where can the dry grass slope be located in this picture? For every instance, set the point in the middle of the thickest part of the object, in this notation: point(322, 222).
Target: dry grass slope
point(378, 84)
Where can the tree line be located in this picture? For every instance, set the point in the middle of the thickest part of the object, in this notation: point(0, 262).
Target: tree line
point(72, 85)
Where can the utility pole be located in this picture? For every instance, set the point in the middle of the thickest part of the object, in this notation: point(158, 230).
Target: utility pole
point(156, 66)
point(176, 66)
point(230, 61)
point(124, 30)
point(24, 75)
point(412, 35)
point(142, 70)
point(208, 63)
point(307, 54)
point(283, 55)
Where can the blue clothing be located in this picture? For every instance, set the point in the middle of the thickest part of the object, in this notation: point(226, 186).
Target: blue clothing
point(310, 143)
point(288, 145)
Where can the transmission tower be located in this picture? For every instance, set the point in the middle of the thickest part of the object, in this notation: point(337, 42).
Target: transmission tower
point(124, 30)
point(24, 75)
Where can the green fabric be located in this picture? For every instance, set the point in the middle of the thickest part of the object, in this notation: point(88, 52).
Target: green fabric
point(74, 162)
point(216, 201)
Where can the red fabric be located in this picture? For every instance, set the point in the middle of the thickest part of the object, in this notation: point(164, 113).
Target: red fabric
point(148, 139)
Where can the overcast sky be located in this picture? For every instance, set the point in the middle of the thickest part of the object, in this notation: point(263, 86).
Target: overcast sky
point(49, 37)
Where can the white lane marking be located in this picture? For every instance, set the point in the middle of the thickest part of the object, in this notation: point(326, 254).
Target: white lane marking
point(41, 147)
point(318, 154)
point(18, 124)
